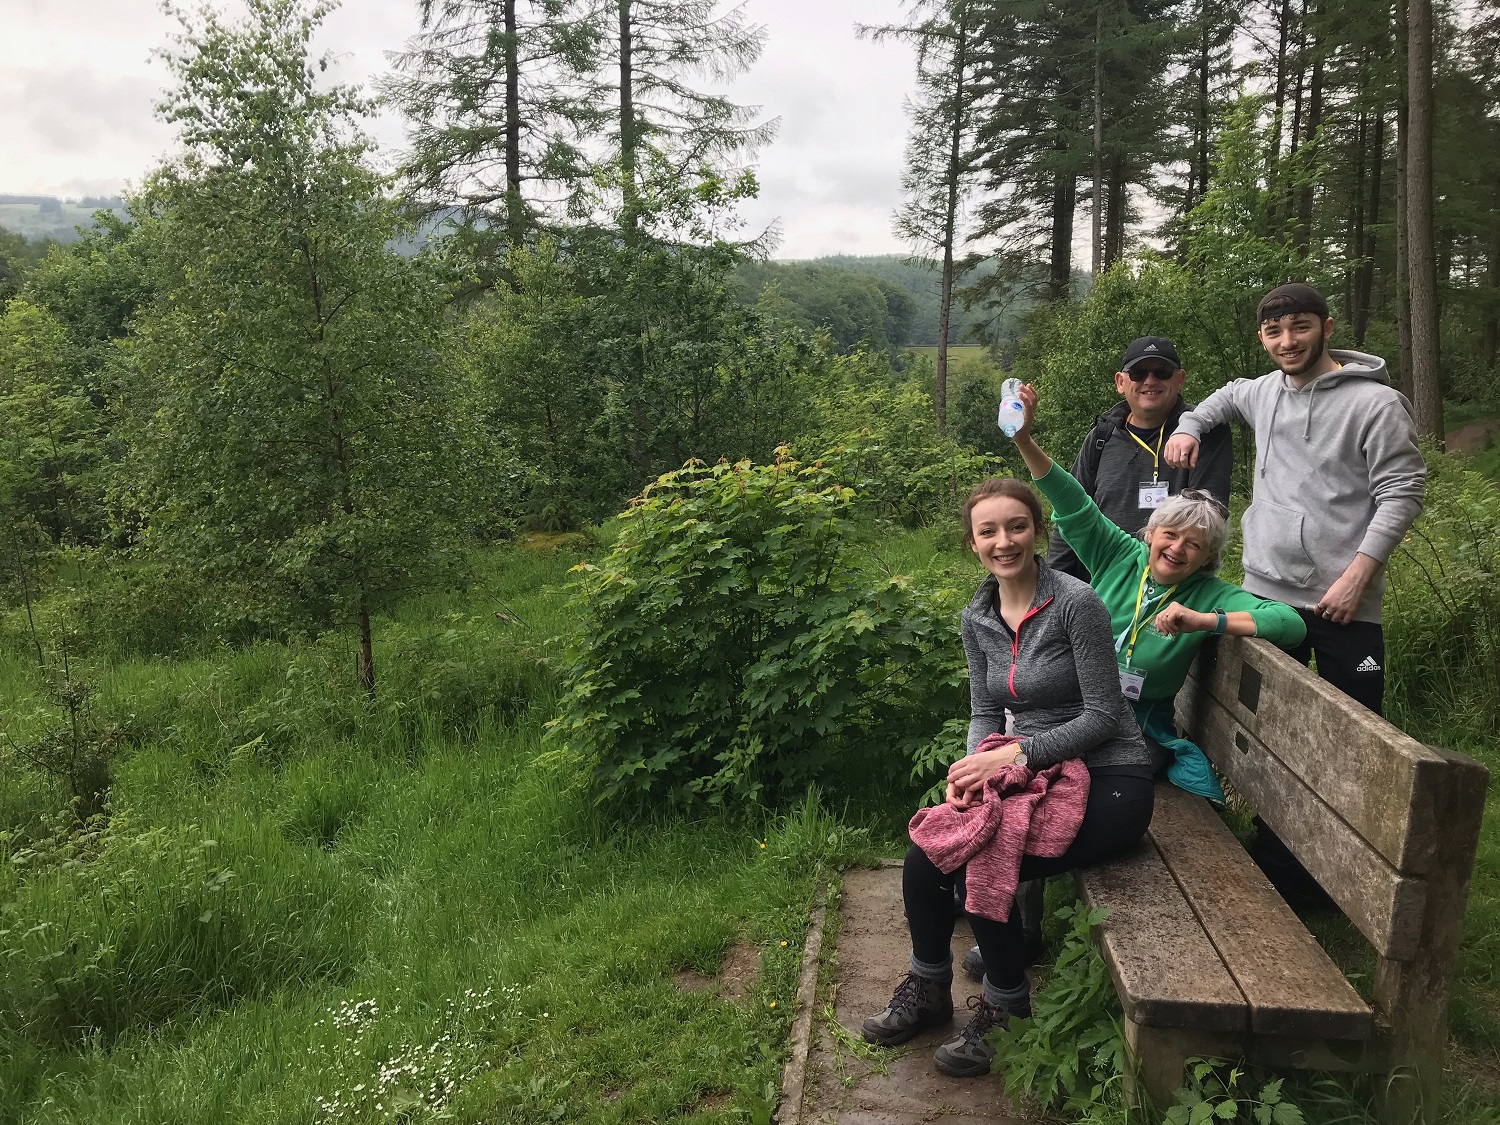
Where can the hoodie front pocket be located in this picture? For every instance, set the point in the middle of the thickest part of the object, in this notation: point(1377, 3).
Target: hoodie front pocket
point(1274, 544)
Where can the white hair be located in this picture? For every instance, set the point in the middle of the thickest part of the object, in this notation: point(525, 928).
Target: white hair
point(1200, 511)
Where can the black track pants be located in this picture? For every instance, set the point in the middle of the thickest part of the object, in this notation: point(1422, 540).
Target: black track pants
point(1350, 657)
point(1118, 812)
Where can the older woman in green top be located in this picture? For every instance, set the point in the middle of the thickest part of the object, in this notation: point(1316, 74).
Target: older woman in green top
point(1161, 593)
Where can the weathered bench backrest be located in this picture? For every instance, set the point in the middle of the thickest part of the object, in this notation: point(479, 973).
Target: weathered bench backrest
point(1388, 826)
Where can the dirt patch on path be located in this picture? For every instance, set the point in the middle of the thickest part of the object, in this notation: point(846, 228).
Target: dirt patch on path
point(1473, 437)
point(851, 1084)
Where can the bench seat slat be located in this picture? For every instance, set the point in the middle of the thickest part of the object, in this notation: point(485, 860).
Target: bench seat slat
point(1165, 969)
point(1291, 985)
point(1386, 905)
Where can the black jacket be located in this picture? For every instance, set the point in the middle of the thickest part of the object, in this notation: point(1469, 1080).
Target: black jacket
point(1111, 466)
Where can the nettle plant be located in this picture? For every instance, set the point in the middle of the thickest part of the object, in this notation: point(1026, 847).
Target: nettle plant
point(737, 642)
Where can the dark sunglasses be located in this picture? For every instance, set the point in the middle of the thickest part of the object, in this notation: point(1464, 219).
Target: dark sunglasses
point(1141, 374)
point(1208, 498)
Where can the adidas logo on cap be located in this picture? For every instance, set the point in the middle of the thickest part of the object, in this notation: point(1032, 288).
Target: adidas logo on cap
point(1368, 665)
point(1151, 347)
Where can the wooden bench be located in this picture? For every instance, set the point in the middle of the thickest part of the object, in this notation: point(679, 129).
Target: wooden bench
point(1207, 958)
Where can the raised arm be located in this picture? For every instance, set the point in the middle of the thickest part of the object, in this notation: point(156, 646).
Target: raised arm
point(1092, 535)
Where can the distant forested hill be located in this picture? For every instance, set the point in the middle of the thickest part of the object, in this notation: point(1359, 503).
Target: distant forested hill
point(45, 216)
point(821, 292)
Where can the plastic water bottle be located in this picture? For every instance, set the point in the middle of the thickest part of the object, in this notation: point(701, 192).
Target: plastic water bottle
point(1012, 412)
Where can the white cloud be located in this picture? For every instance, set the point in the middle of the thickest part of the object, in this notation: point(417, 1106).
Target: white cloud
point(79, 84)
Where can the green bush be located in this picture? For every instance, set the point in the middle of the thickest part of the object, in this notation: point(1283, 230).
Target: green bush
point(881, 439)
point(141, 926)
point(734, 644)
point(1442, 610)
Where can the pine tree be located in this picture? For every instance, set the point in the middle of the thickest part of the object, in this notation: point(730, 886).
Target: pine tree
point(501, 112)
point(939, 171)
point(665, 131)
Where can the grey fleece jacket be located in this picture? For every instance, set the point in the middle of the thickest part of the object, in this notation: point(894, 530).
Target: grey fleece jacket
point(1337, 471)
point(1063, 687)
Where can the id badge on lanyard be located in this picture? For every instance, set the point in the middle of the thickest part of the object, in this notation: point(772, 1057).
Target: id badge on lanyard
point(1154, 493)
point(1132, 683)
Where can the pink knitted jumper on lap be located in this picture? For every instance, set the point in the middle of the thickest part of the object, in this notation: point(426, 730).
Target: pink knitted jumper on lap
point(1020, 813)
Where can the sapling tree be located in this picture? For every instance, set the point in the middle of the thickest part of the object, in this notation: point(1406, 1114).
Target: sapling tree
point(297, 436)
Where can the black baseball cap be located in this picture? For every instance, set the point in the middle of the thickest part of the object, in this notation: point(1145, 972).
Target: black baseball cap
point(1293, 297)
point(1150, 347)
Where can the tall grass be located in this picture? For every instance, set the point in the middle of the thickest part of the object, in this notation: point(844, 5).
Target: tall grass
point(405, 911)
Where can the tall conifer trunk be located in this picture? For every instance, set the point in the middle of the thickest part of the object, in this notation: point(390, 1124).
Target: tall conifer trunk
point(1403, 228)
point(1492, 321)
point(1427, 397)
point(1356, 247)
point(950, 213)
point(630, 216)
point(1064, 202)
point(1117, 190)
point(1098, 204)
point(1314, 123)
point(515, 205)
point(1364, 284)
point(1283, 41)
point(1198, 179)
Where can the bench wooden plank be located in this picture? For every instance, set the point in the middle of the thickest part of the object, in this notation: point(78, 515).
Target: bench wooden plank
point(1165, 969)
point(1292, 986)
point(1386, 905)
point(1360, 765)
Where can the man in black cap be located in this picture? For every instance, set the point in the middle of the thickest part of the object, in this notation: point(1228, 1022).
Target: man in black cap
point(1121, 464)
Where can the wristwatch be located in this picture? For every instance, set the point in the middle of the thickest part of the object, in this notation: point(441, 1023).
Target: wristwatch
point(1221, 622)
point(1020, 758)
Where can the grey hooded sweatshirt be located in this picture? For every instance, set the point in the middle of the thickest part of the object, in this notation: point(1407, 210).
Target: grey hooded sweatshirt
point(1337, 471)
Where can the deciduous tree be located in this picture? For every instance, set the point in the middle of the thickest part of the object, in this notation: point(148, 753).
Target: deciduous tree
point(296, 437)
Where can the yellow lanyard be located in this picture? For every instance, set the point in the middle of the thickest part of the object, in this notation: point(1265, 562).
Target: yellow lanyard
point(1139, 622)
point(1161, 436)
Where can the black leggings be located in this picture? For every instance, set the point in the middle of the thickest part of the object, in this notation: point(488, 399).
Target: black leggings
point(1118, 813)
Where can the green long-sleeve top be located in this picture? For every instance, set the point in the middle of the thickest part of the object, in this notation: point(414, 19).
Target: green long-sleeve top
point(1115, 559)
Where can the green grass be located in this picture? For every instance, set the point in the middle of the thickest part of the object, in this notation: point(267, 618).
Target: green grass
point(412, 889)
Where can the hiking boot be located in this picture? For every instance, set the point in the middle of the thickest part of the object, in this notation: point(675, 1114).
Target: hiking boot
point(967, 1055)
point(919, 1003)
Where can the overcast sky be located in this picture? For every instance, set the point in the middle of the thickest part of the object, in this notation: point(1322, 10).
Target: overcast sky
point(78, 83)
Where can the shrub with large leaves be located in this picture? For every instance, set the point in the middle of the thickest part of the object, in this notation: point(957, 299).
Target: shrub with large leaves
point(736, 644)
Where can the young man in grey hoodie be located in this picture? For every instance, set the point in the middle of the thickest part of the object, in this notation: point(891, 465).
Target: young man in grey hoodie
point(1338, 481)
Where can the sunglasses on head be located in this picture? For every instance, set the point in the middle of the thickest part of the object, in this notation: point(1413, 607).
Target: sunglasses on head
point(1208, 498)
point(1141, 374)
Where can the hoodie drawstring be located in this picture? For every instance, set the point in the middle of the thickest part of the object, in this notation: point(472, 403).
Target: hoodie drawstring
point(1271, 428)
point(1307, 429)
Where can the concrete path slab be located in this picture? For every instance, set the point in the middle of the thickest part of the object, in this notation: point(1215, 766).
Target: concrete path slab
point(848, 1083)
